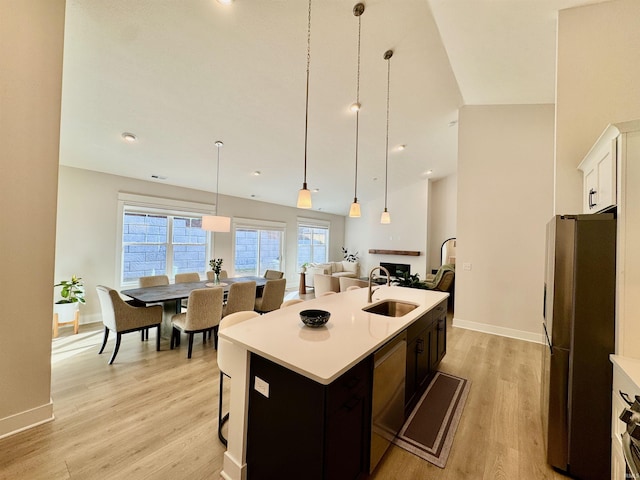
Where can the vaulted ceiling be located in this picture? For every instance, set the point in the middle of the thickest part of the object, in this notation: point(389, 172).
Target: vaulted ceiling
point(182, 74)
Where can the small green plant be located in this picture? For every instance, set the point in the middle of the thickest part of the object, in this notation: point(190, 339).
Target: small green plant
point(216, 265)
point(72, 290)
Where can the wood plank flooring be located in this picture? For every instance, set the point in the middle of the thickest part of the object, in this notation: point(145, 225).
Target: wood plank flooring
point(154, 415)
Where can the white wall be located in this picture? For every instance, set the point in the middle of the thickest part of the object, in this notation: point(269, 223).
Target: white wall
point(88, 216)
point(505, 192)
point(408, 207)
point(31, 39)
point(597, 84)
point(443, 214)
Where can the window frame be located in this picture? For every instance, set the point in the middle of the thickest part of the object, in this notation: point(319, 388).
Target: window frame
point(254, 224)
point(157, 206)
point(312, 223)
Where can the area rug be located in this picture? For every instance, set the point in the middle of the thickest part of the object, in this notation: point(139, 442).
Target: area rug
point(429, 430)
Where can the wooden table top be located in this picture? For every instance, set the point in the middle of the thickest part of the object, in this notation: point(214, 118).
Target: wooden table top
point(178, 291)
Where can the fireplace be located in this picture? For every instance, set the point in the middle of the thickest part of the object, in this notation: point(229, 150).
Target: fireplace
point(396, 269)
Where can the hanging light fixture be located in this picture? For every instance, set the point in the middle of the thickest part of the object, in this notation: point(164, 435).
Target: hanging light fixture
point(386, 217)
point(354, 211)
point(216, 223)
point(304, 195)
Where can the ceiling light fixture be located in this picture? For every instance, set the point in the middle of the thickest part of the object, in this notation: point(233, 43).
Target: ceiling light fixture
point(257, 173)
point(386, 217)
point(225, 2)
point(216, 223)
point(401, 147)
point(304, 195)
point(129, 137)
point(354, 211)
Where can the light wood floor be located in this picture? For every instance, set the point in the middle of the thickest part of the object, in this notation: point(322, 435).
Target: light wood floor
point(153, 415)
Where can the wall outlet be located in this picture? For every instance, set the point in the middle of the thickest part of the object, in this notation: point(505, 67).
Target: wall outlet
point(261, 386)
point(466, 266)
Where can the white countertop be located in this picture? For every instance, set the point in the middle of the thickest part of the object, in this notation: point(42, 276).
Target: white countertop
point(324, 353)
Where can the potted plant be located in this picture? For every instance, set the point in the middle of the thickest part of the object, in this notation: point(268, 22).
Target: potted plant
point(216, 266)
point(303, 267)
point(66, 309)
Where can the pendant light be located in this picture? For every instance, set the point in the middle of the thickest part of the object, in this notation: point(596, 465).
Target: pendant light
point(386, 217)
point(216, 223)
point(304, 195)
point(354, 211)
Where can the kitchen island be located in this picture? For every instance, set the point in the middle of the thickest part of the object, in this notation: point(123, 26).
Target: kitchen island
point(316, 356)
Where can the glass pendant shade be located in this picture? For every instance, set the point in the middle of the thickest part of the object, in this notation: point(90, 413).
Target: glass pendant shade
point(385, 218)
point(216, 223)
point(354, 211)
point(304, 197)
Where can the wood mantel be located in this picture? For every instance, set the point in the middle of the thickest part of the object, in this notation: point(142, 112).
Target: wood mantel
point(412, 253)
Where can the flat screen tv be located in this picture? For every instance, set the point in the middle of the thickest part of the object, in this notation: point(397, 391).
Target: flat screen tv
point(396, 269)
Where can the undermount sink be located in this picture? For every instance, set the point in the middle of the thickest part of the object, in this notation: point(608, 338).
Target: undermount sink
point(390, 308)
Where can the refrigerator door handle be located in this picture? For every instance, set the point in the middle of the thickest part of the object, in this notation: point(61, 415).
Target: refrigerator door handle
point(546, 335)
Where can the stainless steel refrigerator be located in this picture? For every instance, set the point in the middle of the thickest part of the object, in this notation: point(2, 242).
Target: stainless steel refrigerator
point(579, 328)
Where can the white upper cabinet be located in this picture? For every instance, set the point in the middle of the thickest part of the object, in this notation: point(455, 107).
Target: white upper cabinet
point(599, 173)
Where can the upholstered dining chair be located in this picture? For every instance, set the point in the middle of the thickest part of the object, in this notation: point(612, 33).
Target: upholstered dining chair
point(151, 281)
point(293, 301)
point(241, 298)
point(187, 277)
point(273, 275)
point(272, 296)
point(121, 317)
point(353, 287)
point(224, 363)
point(346, 282)
point(203, 315)
point(212, 276)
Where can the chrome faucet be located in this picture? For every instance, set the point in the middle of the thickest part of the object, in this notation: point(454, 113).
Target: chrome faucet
point(369, 300)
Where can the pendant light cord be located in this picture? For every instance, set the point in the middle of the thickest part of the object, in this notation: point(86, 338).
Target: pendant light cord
point(355, 188)
point(387, 56)
point(306, 114)
point(218, 145)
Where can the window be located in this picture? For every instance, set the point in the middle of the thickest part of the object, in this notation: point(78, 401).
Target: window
point(258, 247)
point(313, 243)
point(156, 244)
point(158, 240)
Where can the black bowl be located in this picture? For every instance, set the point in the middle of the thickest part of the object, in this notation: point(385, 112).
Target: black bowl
point(314, 318)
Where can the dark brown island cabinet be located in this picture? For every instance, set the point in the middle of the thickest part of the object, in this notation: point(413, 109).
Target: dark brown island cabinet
point(300, 428)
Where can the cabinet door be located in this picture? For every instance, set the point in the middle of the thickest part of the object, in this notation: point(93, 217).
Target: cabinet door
point(590, 200)
point(411, 376)
point(607, 178)
point(423, 359)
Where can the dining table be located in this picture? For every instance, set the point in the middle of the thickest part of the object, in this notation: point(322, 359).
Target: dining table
point(171, 296)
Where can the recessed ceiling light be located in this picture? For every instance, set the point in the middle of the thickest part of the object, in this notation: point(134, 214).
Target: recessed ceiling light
point(428, 172)
point(315, 190)
point(129, 137)
point(257, 173)
point(225, 2)
point(252, 196)
point(402, 147)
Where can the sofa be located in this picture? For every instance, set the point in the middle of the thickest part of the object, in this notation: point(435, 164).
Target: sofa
point(335, 269)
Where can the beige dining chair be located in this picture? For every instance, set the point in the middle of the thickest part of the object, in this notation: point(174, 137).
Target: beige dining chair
point(224, 363)
point(346, 282)
point(187, 277)
point(326, 294)
point(121, 317)
point(203, 315)
point(272, 296)
point(325, 283)
point(241, 298)
point(273, 275)
point(212, 276)
point(151, 281)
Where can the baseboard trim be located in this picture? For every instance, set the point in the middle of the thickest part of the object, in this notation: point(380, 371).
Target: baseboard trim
point(25, 420)
point(497, 330)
